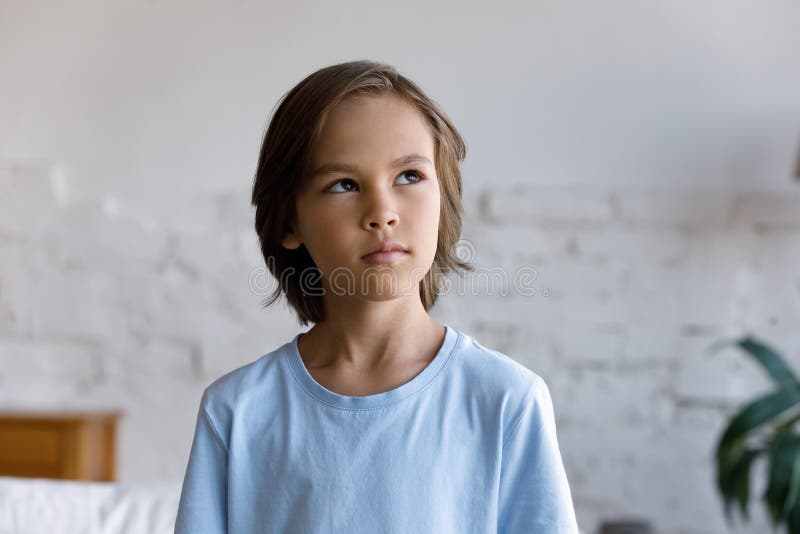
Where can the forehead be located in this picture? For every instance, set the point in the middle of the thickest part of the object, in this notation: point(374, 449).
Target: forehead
point(367, 129)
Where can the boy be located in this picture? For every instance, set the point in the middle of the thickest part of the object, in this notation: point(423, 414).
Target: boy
point(379, 418)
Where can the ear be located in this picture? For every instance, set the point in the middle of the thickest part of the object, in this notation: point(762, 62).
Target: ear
point(292, 239)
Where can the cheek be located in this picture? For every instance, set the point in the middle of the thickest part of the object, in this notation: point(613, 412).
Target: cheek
point(318, 221)
point(330, 237)
point(323, 233)
point(433, 207)
point(426, 199)
point(425, 219)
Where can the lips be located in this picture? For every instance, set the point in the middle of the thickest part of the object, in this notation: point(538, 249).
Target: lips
point(386, 252)
point(380, 258)
point(387, 247)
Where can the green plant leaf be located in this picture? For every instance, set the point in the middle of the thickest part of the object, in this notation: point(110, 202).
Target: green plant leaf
point(772, 362)
point(794, 486)
point(735, 453)
point(733, 481)
point(756, 413)
point(793, 522)
point(783, 486)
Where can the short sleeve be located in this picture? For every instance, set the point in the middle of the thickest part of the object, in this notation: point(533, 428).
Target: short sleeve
point(202, 508)
point(534, 491)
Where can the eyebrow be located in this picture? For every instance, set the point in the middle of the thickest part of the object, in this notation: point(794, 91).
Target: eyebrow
point(331, 168)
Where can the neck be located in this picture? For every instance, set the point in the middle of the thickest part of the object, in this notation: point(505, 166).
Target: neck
point(369, 335)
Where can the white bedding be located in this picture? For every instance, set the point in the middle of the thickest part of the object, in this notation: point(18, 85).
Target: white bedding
point(46, 506)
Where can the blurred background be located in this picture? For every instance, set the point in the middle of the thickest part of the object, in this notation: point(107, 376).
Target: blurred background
point(640, 158)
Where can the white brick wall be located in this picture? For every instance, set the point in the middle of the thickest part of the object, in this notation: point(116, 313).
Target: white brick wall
point(641, 284)
point(107, 304)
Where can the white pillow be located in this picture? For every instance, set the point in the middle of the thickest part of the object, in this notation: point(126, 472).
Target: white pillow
point(48, 506)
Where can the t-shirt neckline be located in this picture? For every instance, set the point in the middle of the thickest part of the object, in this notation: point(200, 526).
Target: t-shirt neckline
point(417, 383)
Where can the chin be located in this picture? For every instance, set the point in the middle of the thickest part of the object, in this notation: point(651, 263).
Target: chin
point(387, 284)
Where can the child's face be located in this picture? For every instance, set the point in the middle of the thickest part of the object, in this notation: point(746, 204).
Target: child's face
point(343, 215)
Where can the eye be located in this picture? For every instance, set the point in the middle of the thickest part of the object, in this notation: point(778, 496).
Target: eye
point(418, 174)
point(419, 178)
point(342, 180)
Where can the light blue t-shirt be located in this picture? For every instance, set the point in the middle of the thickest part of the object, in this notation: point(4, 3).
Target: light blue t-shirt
point(466, 446)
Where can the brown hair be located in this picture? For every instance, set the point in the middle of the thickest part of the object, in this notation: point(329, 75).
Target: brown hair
point(285, 159)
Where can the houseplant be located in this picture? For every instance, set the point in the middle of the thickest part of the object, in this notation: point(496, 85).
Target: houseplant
point(764, 426)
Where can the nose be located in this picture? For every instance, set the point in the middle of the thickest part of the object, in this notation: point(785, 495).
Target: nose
point(380, 213)
point(381, 221)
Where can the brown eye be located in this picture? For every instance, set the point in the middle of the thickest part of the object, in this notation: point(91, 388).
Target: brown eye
point(343, 180)
point(419, 175)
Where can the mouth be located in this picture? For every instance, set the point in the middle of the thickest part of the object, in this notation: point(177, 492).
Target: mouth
point(385, 257)
point(386, 247)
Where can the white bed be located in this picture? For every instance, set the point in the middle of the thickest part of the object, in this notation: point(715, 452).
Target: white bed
point(47, 506)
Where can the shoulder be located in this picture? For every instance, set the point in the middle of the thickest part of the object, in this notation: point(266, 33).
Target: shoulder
point(248, 385)
point(501, 381)
point(496, 370)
